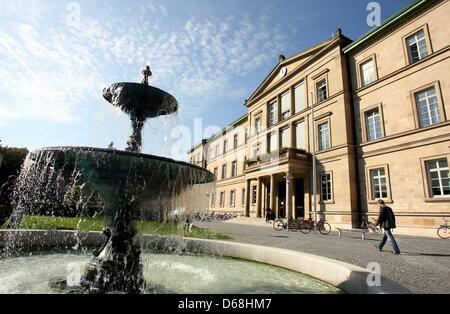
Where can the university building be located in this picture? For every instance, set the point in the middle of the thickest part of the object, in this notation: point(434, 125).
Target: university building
point(380, 129)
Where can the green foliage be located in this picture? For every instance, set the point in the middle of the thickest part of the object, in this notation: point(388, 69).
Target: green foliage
point(98, 223)
point(12, 161)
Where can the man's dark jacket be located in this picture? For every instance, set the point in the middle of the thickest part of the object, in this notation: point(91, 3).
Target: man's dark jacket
point(386, 218)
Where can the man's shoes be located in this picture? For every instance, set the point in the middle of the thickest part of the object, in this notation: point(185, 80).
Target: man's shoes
point(396, 253)
point(378, 248)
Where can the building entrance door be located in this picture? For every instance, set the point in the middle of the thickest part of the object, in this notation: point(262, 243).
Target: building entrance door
point(282, 199)
point(299, 198)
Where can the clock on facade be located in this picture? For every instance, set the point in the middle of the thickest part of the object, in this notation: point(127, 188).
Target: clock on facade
point(283, 71)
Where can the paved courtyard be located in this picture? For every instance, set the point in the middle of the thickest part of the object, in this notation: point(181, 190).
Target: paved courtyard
point(423, 266)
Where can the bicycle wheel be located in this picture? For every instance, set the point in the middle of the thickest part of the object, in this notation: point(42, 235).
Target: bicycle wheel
point(443, 232)
point(374, 228)
point(278, 225)
point(305, 227)
point(294, 226)
point(324, 228)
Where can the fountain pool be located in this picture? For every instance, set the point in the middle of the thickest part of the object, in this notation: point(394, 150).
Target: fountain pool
point(168, 273)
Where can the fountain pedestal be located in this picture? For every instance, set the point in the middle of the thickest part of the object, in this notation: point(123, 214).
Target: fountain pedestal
point(114, 271)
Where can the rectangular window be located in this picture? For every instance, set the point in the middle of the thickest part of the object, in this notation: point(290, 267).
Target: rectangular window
point(217, 154)
point(438, 177)
point(209, 153)
point(300, 135)
point(232, 198)
point(224, 172)
point(216, 173)
point(222, 199)
point(254, 194)
point(235, 141)
point(299, 97)
point(234, 168)
point(246, 135)
point(325, 187)
point(417, 47)
point(258, 125)
point(273, 142)
point(255, 151)
point(379, 183)
point(373, 125)
point(286, 138)
point(285, 105)
point(243, 196)
point(427, 107)
point(324, 136)
point(272, 113)
point(321, 90)
point(225, 147)
point(368, 74)
point(213, 199)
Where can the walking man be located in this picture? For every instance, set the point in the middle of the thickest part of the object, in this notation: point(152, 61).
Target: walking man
point(386, 220)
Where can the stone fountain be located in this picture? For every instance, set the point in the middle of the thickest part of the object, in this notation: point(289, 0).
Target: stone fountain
point(127, 182)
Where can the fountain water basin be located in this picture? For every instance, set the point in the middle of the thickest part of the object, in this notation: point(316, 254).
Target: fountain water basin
point(167, 273)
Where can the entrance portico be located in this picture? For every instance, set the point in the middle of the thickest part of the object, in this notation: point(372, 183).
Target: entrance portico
point(281, 183)
point(286, 193)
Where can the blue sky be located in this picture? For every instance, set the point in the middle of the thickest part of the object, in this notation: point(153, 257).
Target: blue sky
point(209, 54)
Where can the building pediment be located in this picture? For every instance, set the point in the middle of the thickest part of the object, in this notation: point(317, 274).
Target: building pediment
point(285, 67)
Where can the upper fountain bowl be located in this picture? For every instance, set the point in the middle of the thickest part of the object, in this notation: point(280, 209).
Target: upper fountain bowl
point(140, 100)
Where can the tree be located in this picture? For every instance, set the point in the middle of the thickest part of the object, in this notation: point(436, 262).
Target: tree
point(12, 161)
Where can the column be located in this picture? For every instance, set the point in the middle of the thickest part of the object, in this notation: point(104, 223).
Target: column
point(307, 196)
point(288, 195)
point(258, 198)
point(272, 193)
point(264, 200)
point(247, 199)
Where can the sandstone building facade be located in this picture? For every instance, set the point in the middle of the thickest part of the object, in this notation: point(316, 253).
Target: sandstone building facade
point(380, 128)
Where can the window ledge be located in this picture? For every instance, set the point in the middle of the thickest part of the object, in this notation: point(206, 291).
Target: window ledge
point(386, 201)
point(324, 150)
point(327, 202)
point(441, 199)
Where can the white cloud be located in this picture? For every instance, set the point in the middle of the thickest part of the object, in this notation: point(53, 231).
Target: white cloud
point(54, 72)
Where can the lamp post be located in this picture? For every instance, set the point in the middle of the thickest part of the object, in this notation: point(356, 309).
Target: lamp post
point(314, 163)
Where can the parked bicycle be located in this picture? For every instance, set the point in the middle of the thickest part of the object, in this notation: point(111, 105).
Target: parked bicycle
point(280, 224)
point(444, 230)
point(306, 226)
point(213, 216)
point(368, 225)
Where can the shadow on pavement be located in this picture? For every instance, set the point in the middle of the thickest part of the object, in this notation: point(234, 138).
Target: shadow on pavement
point(425, 254)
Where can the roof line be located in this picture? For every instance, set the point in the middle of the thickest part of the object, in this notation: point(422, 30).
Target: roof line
point(386, 24)
point(221, 132)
